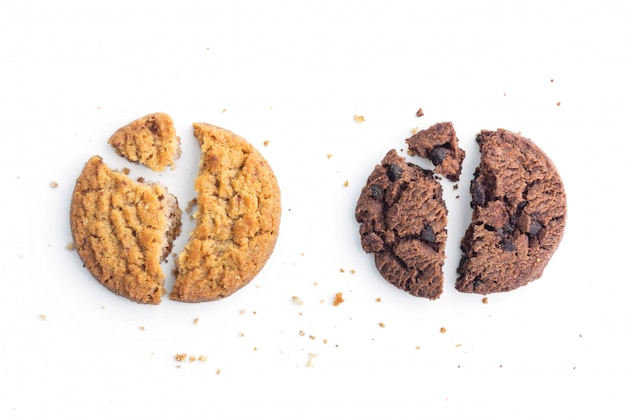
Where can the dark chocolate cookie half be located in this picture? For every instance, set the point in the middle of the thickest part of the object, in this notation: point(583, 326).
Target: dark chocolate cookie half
point(403, 221)
point(519, 215)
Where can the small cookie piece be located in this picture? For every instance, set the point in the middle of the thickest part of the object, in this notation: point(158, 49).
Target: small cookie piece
point(237, 218)
point(150, 141)
point(403, 221)
point(123, 229)
point(519, 215)
point(439, 144)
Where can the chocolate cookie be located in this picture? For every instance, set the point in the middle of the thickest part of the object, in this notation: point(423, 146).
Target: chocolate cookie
point(122, 230)
point(439, 144)
point(150, 140)
point(237, 219)
point(519, 215)
point(403, 221)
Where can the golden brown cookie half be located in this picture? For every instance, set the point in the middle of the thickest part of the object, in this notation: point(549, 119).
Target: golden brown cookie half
point(122, 230)
point(150, 140)
point(237, 219)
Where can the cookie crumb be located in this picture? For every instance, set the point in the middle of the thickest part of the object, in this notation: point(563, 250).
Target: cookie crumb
point(378, 300)
point(381, 325)
point(346, 183)
point(328, 156)
point(311, 337)
point(342, 270)
point(359, 119)
point(219, 371)
point(301, 333)
point(338, 299)
point(142, 328)
point(190, 205)
point(417, 347)
point(443, 330)
point(558, 103)
point(125, 171)
point(420, 112)
point(192, 358)
point(413, 131)
point(54, 184)
point(353, 271)
point(196, 320)
point(485, 300)
point(43, 316)
point(202, 358)
point(551, 80)
point(309, 363)
point(70, 246)
point(242, 311)
point(180, 357)
point(266, 142)
point(297, 300)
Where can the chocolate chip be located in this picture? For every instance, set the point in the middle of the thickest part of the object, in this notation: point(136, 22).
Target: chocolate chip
point(507, 245)
point(428, 234)
point(534, 229)
point(508, 228)
point(477, 283)
point(376, 192)
point(394, 172)
point(478, 193)
point(438, 154)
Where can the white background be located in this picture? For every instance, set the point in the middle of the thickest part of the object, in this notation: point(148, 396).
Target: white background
point(295, 74)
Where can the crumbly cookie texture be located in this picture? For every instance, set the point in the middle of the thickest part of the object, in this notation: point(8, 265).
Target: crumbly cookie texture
point(519, 215)
point(439, 143)
point(237, 219)
point(150, 141)
point(403, 221)
point(122, 230)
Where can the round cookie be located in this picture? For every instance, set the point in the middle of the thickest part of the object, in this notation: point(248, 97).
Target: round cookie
point(519, 215)
point(237, 218)
point(122, 230)
point(403, 221)
point(150, 141)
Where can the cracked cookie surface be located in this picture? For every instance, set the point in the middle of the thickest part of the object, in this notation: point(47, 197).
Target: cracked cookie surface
point(150, 140)
point(519, 215)
point(237, 218)
point(440, 145)
point(403, 221)
point(122, 230)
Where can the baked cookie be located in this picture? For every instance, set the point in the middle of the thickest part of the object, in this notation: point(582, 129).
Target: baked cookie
point(237, 218)
point(403, 221)
point(150, 140)
point(122, 230)
point(439, 144)
point(518, 219)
